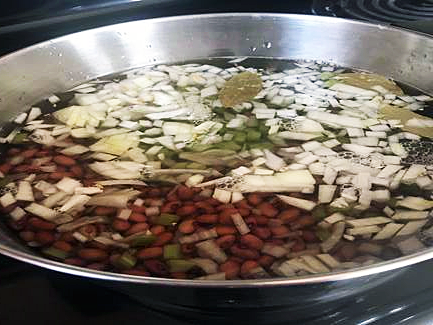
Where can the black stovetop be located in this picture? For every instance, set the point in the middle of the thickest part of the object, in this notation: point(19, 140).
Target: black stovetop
point(29, 294)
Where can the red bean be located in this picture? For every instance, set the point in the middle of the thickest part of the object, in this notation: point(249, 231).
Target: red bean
point(138, 227)
point(158, 229)
point(97, 266)
point(185, 193)
point(309, 236)
point(137, 208)
point(178, 275)
point(303, 221)
point(64, 160)
point(186, 210)
point(187, 226)
point(265, 261)
point(261, 232)
point(225, 216)
point(38, 223)
point(225, 230)
point(137, 217)
point(27, 235)
point(204, 207)
point(29, 153)
point(44, 237)
point(252, 241)
point(151, 252)
point(231, 269)
point(92, 254)
point(289, 214)
point(247, 266)
point(187, 249)
point(244, 212)
point(156, 267)
point(120, 225)
point(279, 231)
point(5, 168)
point(62, 245)
point(67, 236)
point(267, 209)
point(90, 231)
point(299, 246)
point(163, 238)
point(105, 211)
point(137, 272)
point(225, 241)
point(244, 252)
point(254, 199)
point(212, 201)
point(207, 218)
point(77, 171)
point(170, 207)
point(74, 261)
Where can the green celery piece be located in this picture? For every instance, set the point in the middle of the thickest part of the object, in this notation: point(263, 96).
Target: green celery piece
point(55, 253)
point(322, 233)
point(195, 165)
point(252, 123)
point(180, 165)
point(166, 219)
point(240, 137)
point(228, 145)
point(172, 251)
point(143, 240)
point(200, 147)
point(329, 83)
point(319, 212)
point(261, 145)
point(253, 135)
point(126, 261)
point(178, 265)
point(326, 75)
point(20, 138)
point(343, 140)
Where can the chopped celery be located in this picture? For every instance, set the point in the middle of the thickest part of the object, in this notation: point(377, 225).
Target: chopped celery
point(228, 145)
point(170, 154)
point(172, 251)
point(329, 83)
point(126, 261)
point(143, 240)
point(200, 147)
point(180, 165)
point(179, 265)
point(323, 234)
point(166, 219)
point(252, 123)
point(326, 75)
point(319, 212)
point(195, 165)
point(20, 138)
point(228, 116)
point(263, 129)
point(253, 135)
point(240, 137)
point(55, 253)
point(261, 145)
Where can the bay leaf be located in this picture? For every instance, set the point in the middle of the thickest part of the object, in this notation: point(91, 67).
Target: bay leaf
point(240, 88)
point(368, 80)
point(390, 112)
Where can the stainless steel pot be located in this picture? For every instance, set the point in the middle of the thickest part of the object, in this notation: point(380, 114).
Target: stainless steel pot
point(36, 72)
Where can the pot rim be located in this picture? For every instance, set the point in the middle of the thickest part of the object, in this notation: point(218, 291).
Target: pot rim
point(274, 282)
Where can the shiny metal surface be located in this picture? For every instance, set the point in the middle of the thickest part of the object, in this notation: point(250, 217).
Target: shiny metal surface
point(36, 72)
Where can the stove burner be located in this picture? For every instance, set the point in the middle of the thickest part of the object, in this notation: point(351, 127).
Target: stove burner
point(376, 10)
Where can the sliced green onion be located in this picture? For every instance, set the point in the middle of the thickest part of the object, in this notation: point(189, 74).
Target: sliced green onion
point(253, 135)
